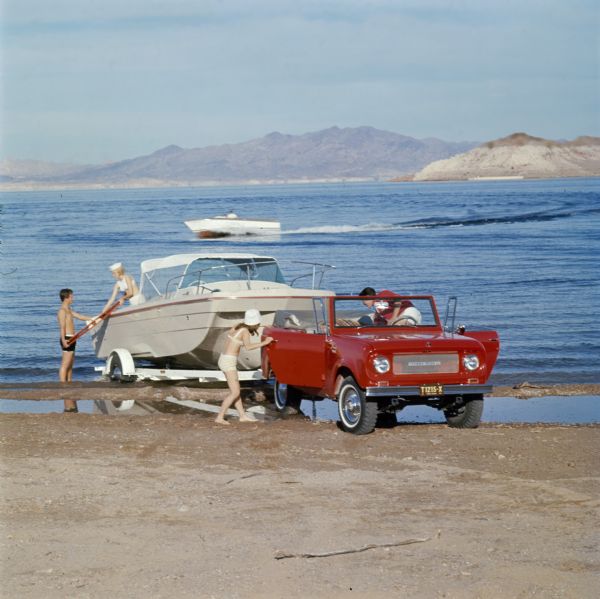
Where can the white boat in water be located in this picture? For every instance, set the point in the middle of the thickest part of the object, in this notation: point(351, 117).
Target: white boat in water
point(188, 302)
point(232, 224)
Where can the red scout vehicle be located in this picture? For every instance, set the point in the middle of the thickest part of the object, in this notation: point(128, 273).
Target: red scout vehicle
point(379, 354)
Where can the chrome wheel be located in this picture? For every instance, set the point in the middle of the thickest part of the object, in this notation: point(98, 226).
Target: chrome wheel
point(351, 405)
point(357, 415)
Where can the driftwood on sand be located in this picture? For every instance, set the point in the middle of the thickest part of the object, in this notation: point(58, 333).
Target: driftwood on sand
point(281, 555)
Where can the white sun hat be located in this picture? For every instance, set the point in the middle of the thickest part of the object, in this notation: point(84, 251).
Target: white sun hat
point(116, 266)
point(252, 317)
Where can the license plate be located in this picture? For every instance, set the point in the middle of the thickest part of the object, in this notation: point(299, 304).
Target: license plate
point(432, 389)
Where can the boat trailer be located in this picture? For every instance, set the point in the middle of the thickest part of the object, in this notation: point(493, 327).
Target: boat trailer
point(120, 366)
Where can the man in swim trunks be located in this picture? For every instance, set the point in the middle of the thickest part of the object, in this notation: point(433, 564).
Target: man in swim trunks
point(67, 329)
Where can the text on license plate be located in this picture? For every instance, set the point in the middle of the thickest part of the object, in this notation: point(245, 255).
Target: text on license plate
point(432, 389)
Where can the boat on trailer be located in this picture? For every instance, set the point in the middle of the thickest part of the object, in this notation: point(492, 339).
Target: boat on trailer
point(187, 303)
point(231, 224)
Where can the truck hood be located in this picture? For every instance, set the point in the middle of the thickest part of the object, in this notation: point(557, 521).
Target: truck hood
point(419, 342)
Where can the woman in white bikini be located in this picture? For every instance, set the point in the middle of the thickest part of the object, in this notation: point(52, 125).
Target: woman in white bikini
point(238, 336)
point(125, 284)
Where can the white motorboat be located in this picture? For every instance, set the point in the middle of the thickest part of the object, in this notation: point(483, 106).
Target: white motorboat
point(232, 224)
point(188, 302)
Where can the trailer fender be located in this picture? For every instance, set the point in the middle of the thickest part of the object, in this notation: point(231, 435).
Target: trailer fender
point(120, 366)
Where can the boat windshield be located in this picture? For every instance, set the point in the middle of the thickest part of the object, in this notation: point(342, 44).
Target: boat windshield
point(394, 311)
point(203, 275)
point(205, 271)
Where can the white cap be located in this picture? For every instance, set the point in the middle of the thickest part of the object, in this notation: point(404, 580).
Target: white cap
point(116, 266)
point(252, 317)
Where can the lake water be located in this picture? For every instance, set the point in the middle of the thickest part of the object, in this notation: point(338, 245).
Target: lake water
point(522, 257)
point(548, 410)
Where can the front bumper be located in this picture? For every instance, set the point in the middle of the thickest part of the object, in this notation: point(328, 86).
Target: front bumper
point(416, 391)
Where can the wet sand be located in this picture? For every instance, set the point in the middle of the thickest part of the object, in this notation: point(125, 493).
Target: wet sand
point(152, 393)
point(177, 506)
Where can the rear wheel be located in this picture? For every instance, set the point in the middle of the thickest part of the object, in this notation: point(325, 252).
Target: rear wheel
point(465, 412)
point(286, 398)
point(357, 415)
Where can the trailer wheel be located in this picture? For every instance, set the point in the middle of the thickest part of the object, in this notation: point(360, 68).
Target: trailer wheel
point(466, 414)
point(286, 398)
point(358, 415)
point(118, 371)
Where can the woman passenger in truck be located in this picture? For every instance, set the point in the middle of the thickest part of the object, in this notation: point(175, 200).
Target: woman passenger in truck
point(387, 311)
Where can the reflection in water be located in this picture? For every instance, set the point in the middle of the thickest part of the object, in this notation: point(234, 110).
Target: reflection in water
point(16, 406)
point(579, 409)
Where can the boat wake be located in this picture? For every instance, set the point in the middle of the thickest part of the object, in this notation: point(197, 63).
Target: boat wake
point(434, 223)
point(539, 216)
point(333, 229)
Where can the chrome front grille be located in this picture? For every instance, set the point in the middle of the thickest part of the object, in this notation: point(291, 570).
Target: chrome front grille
point(425, 363)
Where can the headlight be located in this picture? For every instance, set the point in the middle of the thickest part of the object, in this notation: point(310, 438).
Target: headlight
point(471, 362)
point(381, 364)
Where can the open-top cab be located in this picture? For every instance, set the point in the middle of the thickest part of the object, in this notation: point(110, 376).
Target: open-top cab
point(337, 347)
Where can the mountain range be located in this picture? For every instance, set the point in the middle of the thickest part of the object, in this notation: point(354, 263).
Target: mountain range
point(334, 154)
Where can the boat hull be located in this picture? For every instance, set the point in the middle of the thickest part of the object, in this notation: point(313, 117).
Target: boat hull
point(190, 333)
point(212, 234)
point(210, 228)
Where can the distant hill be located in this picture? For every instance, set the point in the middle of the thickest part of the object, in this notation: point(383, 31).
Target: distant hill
point(334, 154)
point(520, 155)
point(11, 170)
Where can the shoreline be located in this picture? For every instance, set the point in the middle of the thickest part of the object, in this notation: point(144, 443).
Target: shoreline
point(156, 393)
point(40, 187)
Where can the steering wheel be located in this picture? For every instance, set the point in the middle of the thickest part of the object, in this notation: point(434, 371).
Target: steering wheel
point(412, 322)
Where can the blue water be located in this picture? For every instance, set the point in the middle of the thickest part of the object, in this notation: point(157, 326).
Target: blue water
point(578, 409)
point(522, 256)
point(548, 410)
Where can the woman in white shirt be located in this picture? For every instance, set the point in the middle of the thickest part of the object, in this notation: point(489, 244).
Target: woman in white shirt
point(125, 284)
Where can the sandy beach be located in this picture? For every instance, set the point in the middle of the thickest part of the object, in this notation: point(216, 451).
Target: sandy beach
point(176, 506)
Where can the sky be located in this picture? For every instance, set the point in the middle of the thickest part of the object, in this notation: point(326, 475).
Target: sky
point(91, 81)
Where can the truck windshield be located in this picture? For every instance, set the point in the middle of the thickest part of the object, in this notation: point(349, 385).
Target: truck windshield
point(393, 311)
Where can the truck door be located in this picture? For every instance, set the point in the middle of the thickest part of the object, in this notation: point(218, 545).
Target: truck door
point(298, 359)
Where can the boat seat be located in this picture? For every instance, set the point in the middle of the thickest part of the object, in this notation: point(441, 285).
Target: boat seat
point(346, 322)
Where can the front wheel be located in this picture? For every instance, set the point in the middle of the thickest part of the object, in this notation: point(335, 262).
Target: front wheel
point(286, 398)
point(466, 413)
point(357, 415)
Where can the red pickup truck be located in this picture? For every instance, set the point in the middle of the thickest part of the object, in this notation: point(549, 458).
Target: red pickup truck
point(375, 355)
